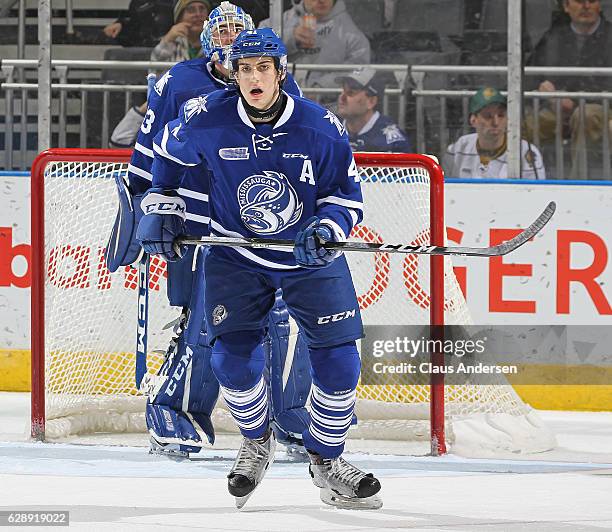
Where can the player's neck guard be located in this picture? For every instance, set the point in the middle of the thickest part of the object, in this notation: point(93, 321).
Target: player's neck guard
point(269, 114)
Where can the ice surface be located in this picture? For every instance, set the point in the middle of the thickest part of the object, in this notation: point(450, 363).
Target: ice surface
point(123, 488)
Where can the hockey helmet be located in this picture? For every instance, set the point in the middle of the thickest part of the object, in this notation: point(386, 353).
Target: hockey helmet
point(263, 42)
point(226, 17)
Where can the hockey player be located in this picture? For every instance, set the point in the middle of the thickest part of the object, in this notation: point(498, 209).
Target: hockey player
point(281, 166)
point(184, 392)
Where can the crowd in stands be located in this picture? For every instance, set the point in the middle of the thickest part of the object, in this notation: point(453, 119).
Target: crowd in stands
point(368, 32)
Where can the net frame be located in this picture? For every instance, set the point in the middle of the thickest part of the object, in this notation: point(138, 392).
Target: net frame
point(432, 414)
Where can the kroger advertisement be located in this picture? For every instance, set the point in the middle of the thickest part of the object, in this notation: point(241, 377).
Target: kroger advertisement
point(563, 276)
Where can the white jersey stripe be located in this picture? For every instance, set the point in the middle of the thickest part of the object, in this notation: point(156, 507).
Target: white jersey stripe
point(144, 150)
point(341, 201)
point(140, 172)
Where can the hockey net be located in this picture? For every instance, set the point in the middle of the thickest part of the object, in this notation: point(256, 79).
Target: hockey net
point(84, 317)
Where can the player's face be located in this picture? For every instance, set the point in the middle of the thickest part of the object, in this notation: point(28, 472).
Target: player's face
point(490, 123)
point(195, 14)
point(318, 8)
point(354, 102)
point(583, 12)
point(259, 81)
point(225, 33)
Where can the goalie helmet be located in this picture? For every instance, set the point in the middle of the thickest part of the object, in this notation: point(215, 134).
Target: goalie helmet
point(223, 24)
point(263, 42)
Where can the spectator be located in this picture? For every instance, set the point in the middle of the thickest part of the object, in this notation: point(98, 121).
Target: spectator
point(584, 40)
point(484, 154)
point(323, 32)
point(144, 24)
point(368, 130)
point(181, 43)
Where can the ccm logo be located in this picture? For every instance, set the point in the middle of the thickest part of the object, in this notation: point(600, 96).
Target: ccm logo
point(322, 320)
point(257, 43)
point(164, 207)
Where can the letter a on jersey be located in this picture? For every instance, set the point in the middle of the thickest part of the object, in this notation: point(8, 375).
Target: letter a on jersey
point(307, 175)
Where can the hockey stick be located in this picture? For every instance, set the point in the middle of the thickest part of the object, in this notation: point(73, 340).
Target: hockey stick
point(491, 251)
point(142, 329)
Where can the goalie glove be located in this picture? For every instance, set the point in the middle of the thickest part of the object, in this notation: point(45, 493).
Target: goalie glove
point(308, 250)
point(163, 221)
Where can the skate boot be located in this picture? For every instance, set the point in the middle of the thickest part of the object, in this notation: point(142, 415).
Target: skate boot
point(253, 460)
point(343, 485)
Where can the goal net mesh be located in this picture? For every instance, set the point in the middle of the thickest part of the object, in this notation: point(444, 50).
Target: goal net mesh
point(90, 314)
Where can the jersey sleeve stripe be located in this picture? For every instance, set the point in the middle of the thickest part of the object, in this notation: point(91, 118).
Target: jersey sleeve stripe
point(350, 204)
point(193, 194)
point(197, 218)
point(140, 172)
point(354, 216)
point(144, 150)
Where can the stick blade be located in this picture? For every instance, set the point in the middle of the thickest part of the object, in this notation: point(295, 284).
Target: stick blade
point(531, 231)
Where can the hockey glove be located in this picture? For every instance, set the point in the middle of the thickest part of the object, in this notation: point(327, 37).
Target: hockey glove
point(308, 250)
point(163, 221)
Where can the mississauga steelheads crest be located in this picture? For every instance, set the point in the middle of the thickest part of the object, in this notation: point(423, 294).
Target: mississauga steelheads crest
point(268, 203)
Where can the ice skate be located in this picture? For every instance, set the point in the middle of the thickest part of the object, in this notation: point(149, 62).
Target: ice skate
point(343, 485)
point(169, 450)
point(253, 460)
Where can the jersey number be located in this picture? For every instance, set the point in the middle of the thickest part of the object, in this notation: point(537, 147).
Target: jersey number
point(148, 121)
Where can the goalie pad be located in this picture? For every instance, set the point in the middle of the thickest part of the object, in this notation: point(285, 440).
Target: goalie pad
point(184, 392)
point(290, 380)
point(123, 249)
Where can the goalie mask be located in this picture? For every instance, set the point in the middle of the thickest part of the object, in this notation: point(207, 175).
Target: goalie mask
point(223, 25)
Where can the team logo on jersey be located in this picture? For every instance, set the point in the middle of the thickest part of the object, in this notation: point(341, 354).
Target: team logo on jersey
point(219, 313)
point(335, 121)
point(234, 154)
point(268, 203)
point(161, 83)
point(194, 107)
point(393, 134)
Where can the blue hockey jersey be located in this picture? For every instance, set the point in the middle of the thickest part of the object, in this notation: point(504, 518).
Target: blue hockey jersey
point(266, 179)
point(381, 134)
point(182, 82)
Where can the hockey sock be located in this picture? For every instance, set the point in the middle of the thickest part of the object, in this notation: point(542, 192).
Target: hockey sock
point(238, 360)
point(332, 400)
point(249, 409)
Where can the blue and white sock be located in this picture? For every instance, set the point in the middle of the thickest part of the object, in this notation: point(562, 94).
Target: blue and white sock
point(249, 408)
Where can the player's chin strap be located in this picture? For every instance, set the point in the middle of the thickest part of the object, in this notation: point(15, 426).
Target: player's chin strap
point(269, 114)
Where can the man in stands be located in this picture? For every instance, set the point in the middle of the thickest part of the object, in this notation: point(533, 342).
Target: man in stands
point(368, 130)
point(585, 40)
point(484, 154)
point(182, 42)
point(322, 32)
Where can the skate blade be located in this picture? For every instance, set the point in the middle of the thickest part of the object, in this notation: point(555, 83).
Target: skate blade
point(168, 452)
point(350, 503)
point(241, 501)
